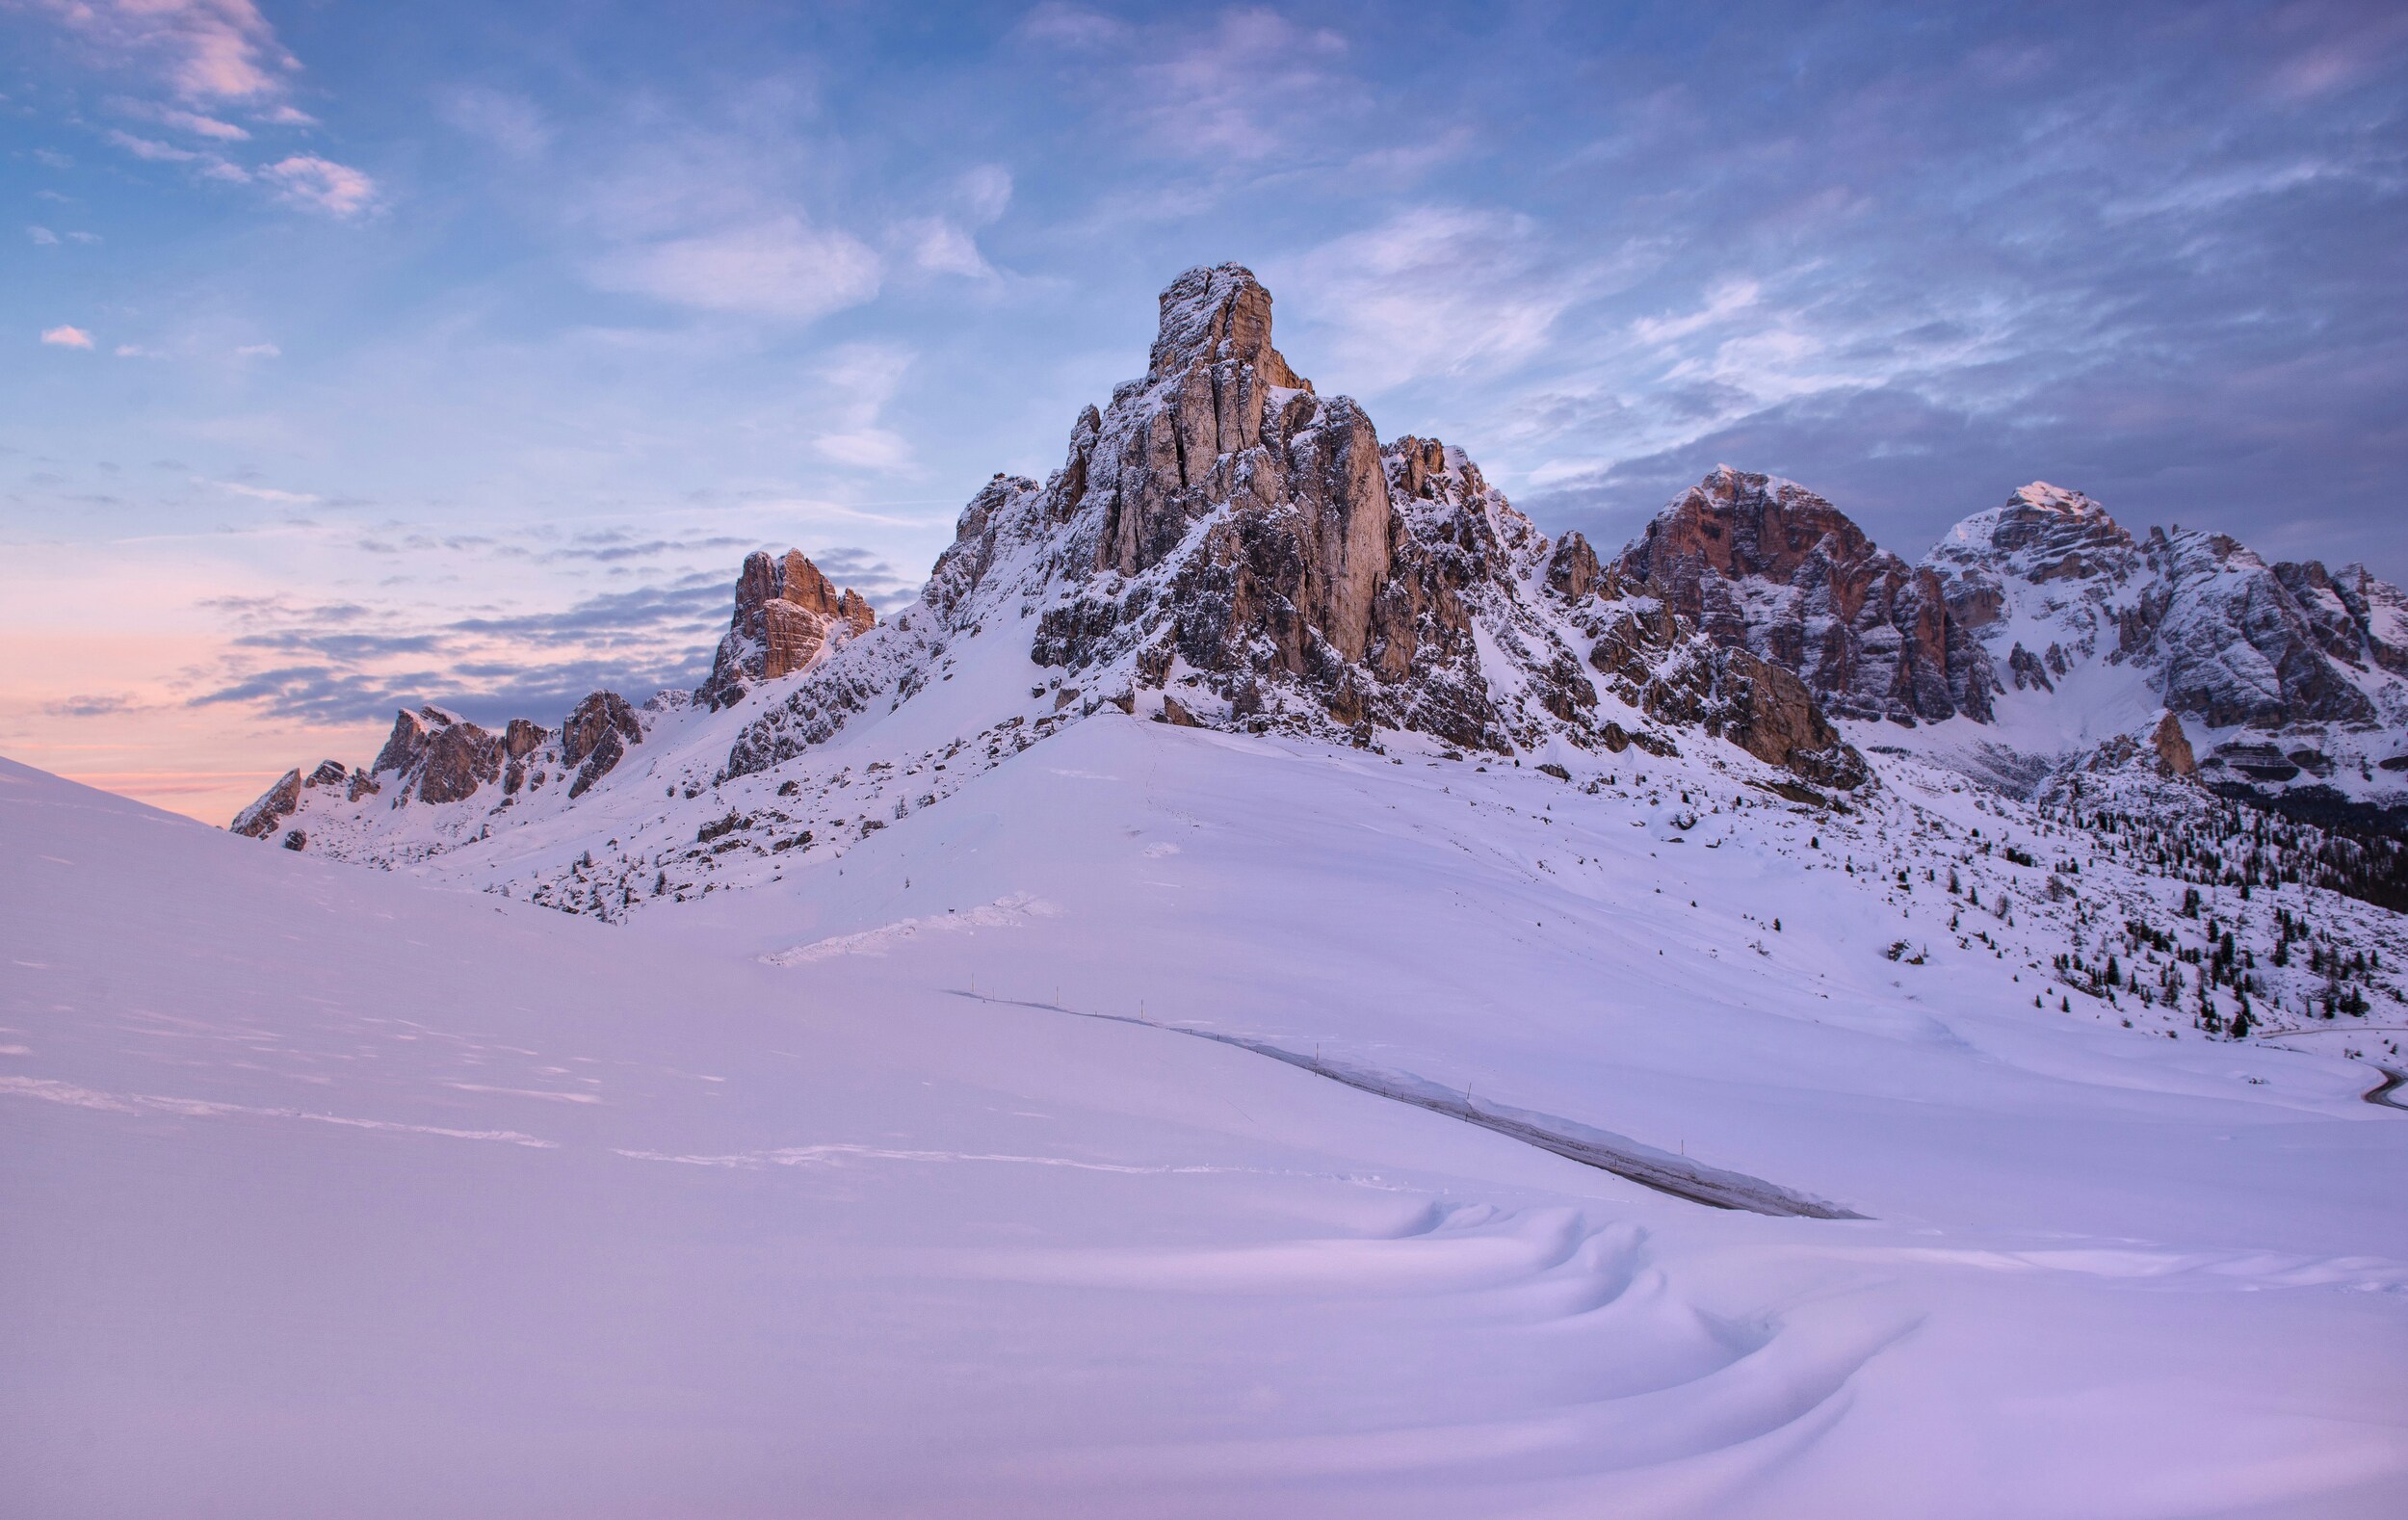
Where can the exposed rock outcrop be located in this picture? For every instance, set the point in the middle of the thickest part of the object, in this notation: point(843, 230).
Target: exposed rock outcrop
point(1223, 520)
point(2173, 748)
point(788, 616)
point(438, 755)
point(596, 736)
point(283, 799)
point(273, 805)
point(2216, 631)
point(1661, 664)
point(2233, 644)
point(1764, 564)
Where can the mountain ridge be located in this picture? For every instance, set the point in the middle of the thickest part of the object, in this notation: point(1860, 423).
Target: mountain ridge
point(1223, 546)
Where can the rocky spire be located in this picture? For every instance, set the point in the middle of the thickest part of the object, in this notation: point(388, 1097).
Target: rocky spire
point(595, 736)
point(439, 755)
point(1222, 421)
point(1213, 316)
point(788, 616)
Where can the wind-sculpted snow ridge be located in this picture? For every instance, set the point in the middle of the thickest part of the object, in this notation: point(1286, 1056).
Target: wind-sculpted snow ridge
point(1675, 1175)
point(1005, 912)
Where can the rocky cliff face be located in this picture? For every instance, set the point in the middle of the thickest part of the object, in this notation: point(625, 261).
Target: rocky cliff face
point(2050, 567)
point(2059, 636)
point(437, 756)
point(2233, 645)
point(265, 816)
point(788, 617)
point(1764, 564)
point(595, 738)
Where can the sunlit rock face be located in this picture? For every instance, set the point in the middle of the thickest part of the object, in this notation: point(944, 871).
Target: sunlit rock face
point(1764, 564)
point(788, 617)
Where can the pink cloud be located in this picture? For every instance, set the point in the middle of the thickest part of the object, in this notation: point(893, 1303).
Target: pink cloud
point(337, 189)
point(205, 49)
point(63, 336)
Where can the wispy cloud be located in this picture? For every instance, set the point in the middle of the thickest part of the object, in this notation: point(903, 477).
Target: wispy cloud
point(1058, 24)
point(202, 49)
point(1438, 290)
point(63, 336)
point(43, 237)
point(1246, 86)
point(782, 267)
point(266, 493)
point(200, 125)
point(860, 380)
point(339, 661)
point(322, 184)
point(213, 58)
point(947, 243)
point(510, 122)
point(105, 704)
point(151, 148)
point(1723, 303)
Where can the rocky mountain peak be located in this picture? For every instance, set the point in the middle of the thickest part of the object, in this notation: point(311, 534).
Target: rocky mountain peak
point(788, 616)
point(2045, 497)
point(2043, 532)
point(1218, 316)
point(438, 755)
point(1739, 524)
point(2236, 647)
point(1764, 564)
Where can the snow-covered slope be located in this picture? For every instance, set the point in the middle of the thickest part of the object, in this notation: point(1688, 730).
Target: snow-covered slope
point(1272, 989)
point(906, 1185)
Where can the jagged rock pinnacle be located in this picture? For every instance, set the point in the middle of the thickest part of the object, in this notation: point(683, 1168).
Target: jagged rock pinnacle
point(787, 615)
point(1211, 315)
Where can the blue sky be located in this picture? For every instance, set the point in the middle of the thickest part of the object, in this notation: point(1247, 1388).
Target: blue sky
point(363, 354)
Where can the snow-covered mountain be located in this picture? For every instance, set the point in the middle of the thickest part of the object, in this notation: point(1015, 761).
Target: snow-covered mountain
point(1225, 548)
point(2288, 683)
point(1272, 989)
point(2041, 634)
point(1222, 547)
